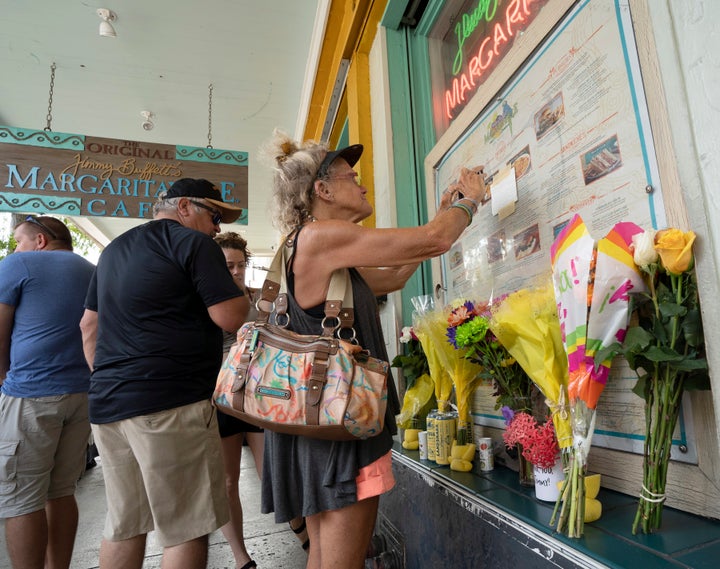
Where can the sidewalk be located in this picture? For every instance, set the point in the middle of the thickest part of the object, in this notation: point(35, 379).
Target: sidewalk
point(271, 545)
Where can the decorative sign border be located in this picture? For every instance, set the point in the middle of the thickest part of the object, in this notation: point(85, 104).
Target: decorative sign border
point(72, 174)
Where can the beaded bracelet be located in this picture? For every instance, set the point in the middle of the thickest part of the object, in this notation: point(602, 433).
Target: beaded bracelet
point(465, 208)
point(472, 201)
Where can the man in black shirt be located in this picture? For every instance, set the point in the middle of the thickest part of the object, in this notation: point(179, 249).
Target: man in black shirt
point(152, 334)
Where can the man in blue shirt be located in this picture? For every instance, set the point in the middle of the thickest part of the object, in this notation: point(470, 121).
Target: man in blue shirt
point(44, 425)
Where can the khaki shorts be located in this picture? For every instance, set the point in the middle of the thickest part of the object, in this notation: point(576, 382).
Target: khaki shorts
point(43, 444)
point(163, 471)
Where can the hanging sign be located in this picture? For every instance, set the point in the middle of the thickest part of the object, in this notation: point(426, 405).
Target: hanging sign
point(73, 174)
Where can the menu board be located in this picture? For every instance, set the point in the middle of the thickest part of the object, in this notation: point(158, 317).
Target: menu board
point(568, 135)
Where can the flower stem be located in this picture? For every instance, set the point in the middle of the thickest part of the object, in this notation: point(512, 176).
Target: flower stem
point(663, 395)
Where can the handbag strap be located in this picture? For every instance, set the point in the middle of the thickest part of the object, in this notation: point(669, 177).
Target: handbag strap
point(338, 308)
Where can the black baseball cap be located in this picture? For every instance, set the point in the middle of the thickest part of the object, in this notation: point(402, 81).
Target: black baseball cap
point(351, 154)
point(201, 188)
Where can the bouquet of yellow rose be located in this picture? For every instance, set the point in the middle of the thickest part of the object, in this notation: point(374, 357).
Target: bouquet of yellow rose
point(666, 349)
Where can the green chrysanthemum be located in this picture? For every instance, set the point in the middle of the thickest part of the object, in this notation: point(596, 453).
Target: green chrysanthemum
point(471, 332)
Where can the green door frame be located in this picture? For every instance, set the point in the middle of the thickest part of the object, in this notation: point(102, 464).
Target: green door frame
point(412, 126)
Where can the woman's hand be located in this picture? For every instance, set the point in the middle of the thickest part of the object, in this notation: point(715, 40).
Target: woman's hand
point(449, 196)
point(472, 183)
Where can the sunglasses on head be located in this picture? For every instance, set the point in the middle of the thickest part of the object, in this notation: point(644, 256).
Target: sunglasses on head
point(216, 215)
point(41, 225)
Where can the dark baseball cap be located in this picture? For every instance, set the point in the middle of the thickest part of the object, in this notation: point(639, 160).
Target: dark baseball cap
point(351, 154)
point(201, 188)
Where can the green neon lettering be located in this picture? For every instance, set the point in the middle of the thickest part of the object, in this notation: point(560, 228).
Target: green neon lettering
point(468, 23)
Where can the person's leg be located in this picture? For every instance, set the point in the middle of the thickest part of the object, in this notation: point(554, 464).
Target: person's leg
point(182, 471)
point(256, 442)
point(124, 554)
point(233, 530)
point(37, 424)
point(128, 518)
point(189, 555)
point(299, 528)
point(70, 458)
point(341, 537)
point(62, 522)
point(26, 537)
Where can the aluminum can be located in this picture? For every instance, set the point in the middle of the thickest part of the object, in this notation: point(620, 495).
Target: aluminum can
point(444, 437)
point(423, 444)
point(432, 415)
point(485, 454)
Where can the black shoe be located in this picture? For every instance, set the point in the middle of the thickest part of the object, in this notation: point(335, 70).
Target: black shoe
point(300, 529)
point(92, 453)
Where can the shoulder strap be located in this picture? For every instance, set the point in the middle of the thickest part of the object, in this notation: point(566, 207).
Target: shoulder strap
point(339, 312)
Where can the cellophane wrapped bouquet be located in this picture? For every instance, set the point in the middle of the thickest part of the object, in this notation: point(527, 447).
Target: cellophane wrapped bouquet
point(527, 325)
point(592, 282)
point(428, 324)
point(419, 397)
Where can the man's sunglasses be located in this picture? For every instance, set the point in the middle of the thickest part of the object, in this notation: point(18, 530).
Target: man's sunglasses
point(41, 225)
point(216, 215)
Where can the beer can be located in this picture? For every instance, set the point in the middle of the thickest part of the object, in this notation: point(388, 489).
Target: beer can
point(444, 437)
point(432, 415)
point(485, 454)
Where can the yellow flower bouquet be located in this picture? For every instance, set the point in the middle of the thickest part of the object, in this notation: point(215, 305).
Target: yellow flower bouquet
point(428, 326)
point(526, 323)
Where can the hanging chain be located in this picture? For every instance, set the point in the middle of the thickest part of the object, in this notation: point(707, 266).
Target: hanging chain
point(209, 144)
point(48, 126)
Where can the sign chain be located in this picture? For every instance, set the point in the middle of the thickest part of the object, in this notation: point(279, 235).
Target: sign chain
point(209, 144)
point(48, 126)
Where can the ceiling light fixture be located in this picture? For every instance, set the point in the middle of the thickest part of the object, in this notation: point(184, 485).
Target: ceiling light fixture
point(107, 16)
point(147, 124)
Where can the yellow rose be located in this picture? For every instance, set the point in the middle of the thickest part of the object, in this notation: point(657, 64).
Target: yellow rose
point(675, 250)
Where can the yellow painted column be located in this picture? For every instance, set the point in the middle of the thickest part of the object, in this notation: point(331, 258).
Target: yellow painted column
point(360, 124)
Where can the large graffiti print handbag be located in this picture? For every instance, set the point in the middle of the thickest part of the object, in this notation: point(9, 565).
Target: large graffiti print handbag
point(317, 386)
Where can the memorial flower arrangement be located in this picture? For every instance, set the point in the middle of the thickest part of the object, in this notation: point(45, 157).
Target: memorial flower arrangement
point(469, 330)
point(666, 350)
point(592, 281)
point(412, 361)
point(464, 373)
point(418, 398)
point(538, 441)
point(428, 323)
point(526, 323)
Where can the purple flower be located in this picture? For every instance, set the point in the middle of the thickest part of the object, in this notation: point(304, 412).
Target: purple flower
point(451, 334)
point(508, 414)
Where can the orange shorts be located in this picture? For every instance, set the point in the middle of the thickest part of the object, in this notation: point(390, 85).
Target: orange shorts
point(376, 478)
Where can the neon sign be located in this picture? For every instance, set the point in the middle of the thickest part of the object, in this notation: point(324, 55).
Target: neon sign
point(501, 27)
